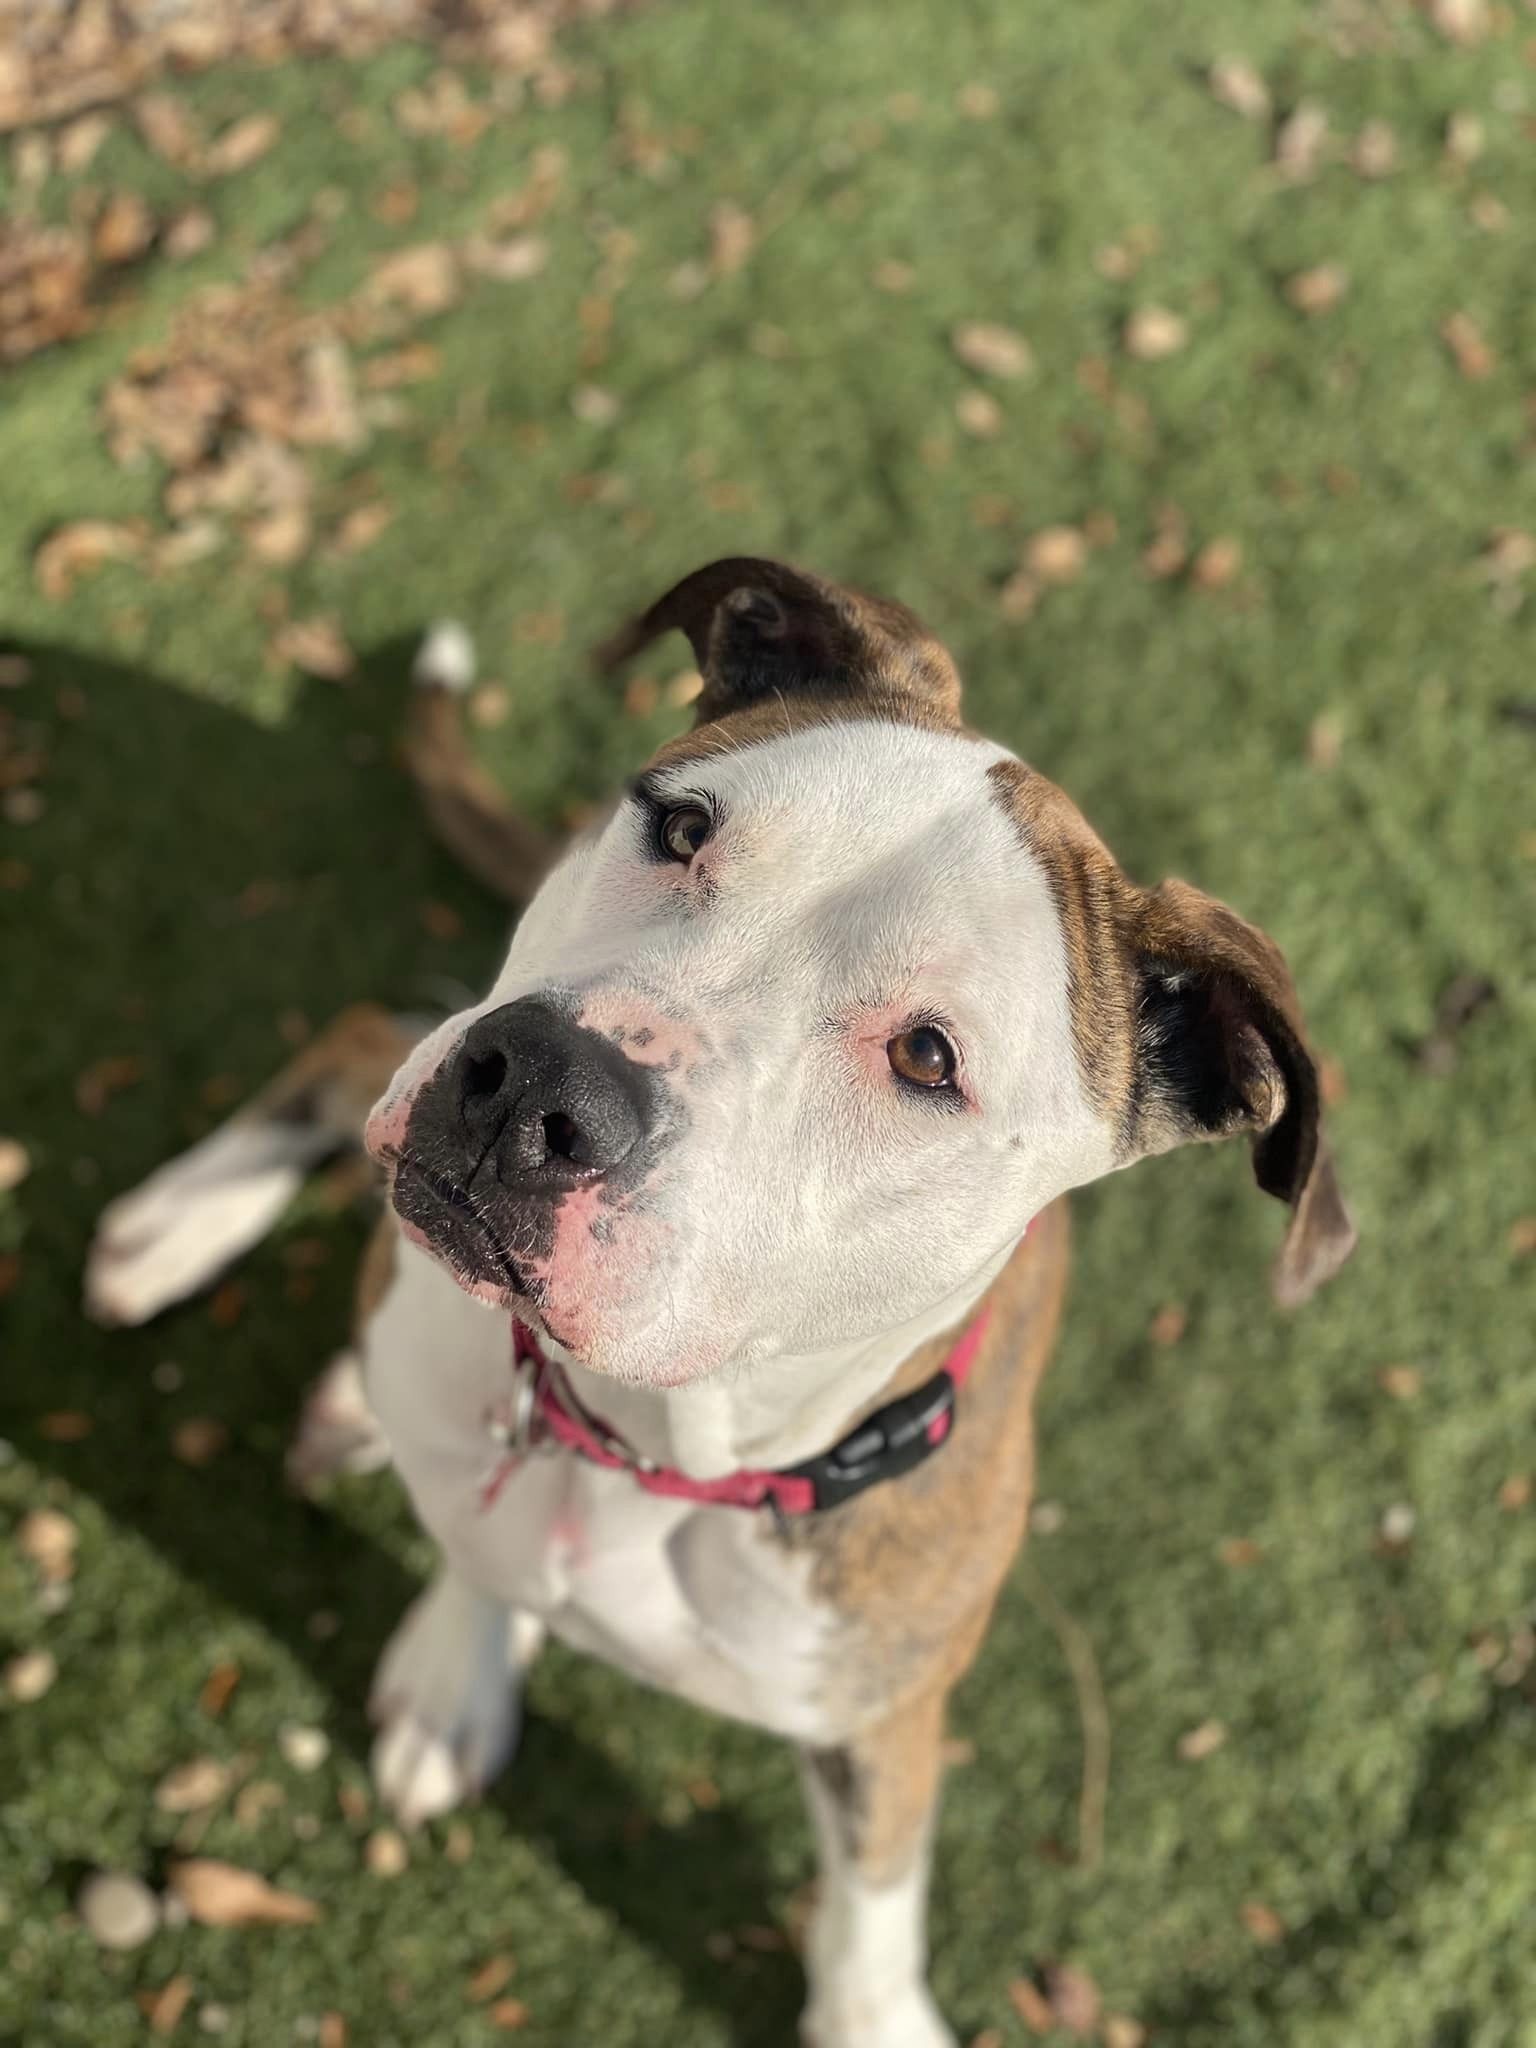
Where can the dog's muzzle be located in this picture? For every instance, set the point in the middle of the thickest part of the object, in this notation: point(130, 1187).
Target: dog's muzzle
point(532, 1107)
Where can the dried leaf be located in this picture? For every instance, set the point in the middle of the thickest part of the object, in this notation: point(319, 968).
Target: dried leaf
point(167, 126)
point(509, 2014)
point(424, 280)
point(104, 1078)
point(65, 1426)
point(1153, 333)
point(592, 404)
point(385, 1853)
point(1375, 152)
point(508, 262)
point(493, 1975)
point(218, 1688)
point(49, 1541)
point(979, 102)
point(1018, 597)
point(199, 1440)
point(164, 2008)
point(1317, 290)
point(362, 526)
point(1517, 1492)
point(1056, 554)
point(1300, 142)
point(78, 143)
point(29, 1675)
point(1263, 1923)
point(1168, 1325)
point(1461, 21)
point(1198, 1743)
point(413, 364)
point(241, 144)
point(1402, 1382)
point(75, 550)
point(1031, 2006)
point(1464, 139)
point(1120, 2031)
point(992, 350)
point(1217, 564)
point(316, 646)
point(893, 276)
point(188, 234)
point(223, 1895)
point(1522, 1236)
point(190, 1787)
point(1236, 84)
point(1470, 352)
point(732, 237)
point(979, 413)
point(1239, 1552)
point(1074, 1999)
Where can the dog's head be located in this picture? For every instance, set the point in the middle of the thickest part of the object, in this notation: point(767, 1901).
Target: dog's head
point(790, 1048)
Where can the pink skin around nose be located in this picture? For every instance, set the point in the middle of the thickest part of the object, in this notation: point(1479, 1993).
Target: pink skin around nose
point(384, 1132)
point(651, 1038)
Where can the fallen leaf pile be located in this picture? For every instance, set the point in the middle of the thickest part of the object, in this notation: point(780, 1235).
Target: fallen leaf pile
point(61, 59)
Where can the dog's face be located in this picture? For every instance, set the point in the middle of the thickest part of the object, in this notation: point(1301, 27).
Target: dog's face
point(789, 1051)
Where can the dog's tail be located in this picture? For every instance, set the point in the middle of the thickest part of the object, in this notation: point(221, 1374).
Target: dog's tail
point(468, 812)
point(179, 1229)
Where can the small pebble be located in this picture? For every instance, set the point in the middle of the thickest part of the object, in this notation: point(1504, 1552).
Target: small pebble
point(15, 1164)
point(306, 1749)
point(119, 1911)
point(214, 2019)
point(1397, 1524)
point(30, 1675)
point(1046, 1517)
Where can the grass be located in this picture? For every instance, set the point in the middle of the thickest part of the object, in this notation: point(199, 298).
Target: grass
point(1373, 1790)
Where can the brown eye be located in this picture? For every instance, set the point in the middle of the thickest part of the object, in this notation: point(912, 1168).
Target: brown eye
point(684, 830)
point(924, 1057)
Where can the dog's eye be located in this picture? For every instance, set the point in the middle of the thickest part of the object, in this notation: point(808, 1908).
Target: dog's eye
point(922, 1057)
point(684, 830)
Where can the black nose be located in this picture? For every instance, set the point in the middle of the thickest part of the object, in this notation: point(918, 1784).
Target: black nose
point(544, 1103)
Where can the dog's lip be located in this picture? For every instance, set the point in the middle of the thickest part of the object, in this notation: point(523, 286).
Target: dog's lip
point(454, 1201)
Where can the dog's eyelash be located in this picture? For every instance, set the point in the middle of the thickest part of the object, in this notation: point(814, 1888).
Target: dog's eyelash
point(656, 800)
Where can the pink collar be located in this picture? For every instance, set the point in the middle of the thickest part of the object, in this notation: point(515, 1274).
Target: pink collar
point(546, 1414)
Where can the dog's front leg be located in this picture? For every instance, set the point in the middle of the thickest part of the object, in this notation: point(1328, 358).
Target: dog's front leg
point(873, 1801)
point(448, 1697)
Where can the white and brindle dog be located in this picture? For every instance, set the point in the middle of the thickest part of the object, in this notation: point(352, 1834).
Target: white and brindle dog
point(728, 1241)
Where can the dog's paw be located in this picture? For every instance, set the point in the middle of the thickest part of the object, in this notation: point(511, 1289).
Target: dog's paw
point(338, 1431)
point(180, 1228)
point(446, 1699)
point(907, 2019)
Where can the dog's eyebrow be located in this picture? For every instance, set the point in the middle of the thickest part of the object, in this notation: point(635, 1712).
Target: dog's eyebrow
point(646, 788)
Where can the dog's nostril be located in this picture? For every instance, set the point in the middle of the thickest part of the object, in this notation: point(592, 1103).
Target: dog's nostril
point(484, 1073)
point(562, 1138)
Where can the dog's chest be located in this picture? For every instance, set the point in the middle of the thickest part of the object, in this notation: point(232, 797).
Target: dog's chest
point(703, 1602)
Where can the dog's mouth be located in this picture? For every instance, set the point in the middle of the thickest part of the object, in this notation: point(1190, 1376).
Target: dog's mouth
point(449, 1219)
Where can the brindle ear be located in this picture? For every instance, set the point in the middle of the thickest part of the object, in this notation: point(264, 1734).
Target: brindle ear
point(760, 629)
point(1221, 1050)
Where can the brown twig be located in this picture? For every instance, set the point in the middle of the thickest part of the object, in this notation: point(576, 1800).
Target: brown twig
point(1092, 1710)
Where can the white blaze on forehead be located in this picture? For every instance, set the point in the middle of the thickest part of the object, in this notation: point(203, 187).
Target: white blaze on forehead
point(876, 861)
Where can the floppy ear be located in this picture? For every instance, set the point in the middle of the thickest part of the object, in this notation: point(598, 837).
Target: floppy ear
point(761, 629)
point(1220, 1050)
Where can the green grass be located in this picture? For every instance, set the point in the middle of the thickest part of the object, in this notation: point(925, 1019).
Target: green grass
point(1374, 1790)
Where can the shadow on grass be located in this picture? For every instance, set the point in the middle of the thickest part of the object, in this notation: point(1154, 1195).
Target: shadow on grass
point(193, 877)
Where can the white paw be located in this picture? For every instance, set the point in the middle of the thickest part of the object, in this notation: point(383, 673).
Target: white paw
point(338, 1431)
point(446, 1698)
point(181, 1227)
point(900, 2019)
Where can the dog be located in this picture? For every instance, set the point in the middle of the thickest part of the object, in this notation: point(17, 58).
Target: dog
point(728, 1233)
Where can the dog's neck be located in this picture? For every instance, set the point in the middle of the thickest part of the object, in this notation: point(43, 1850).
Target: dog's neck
point(773, 1413)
